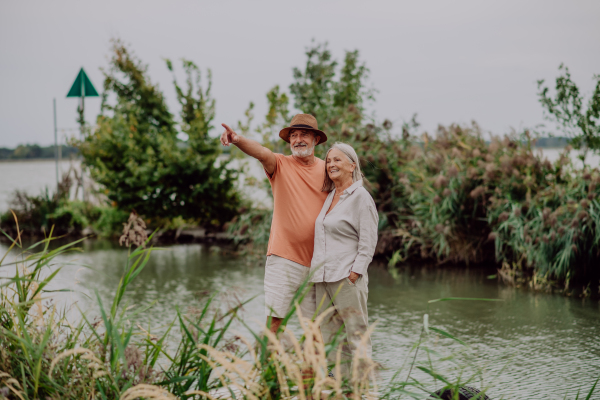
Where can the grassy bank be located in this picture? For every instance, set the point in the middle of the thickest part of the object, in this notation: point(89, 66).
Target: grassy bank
point(38, 214)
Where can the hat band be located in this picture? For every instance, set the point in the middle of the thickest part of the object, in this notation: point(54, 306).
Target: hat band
point(301, 126)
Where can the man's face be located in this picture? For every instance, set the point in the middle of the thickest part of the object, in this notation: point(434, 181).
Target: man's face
point(302, 142)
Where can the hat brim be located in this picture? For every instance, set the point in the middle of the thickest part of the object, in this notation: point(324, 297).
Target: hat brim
point(285, 134)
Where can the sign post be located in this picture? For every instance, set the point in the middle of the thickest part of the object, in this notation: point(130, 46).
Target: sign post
point(82, 88)
point(55, 144)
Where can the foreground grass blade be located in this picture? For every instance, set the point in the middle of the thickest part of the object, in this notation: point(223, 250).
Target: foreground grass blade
point(435, 375)
point(589, 396)
point(446, 334)
point(462, 299)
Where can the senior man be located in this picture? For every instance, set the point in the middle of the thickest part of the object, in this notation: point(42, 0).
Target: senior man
point(296, 182)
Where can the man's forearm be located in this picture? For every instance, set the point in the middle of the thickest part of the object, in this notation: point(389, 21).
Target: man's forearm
point(253, 148)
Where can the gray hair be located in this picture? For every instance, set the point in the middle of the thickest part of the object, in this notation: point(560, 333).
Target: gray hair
point(348, 150)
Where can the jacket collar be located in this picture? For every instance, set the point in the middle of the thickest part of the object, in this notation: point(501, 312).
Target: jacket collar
point(353, 187)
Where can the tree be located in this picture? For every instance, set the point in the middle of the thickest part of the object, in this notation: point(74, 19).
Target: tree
point(335, 103)
point(276, 119)
point(313, 86)
point(135, 153)
point(566, 110)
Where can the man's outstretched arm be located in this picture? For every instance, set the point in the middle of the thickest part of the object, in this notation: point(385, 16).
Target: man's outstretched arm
point(250, 147)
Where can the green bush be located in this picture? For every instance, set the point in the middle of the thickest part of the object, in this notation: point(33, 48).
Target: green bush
point(108, 221)
point(251, 225)
point(37, 215)
point(462, 195)
point(581, 125)
point(137, 153)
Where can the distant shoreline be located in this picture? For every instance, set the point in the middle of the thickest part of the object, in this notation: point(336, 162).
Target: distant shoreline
point(20, 160)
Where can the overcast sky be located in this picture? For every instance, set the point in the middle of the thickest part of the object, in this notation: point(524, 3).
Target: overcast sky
point(448, 61)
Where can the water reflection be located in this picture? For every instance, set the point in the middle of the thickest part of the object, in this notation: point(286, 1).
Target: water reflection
point(531, 345)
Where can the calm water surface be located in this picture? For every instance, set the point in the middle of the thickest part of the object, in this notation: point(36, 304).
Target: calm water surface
point(529, 346)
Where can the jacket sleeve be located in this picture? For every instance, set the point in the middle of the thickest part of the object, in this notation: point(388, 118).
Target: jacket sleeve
point(368, 221)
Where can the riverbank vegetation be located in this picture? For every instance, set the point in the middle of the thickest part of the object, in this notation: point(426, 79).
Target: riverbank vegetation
point(46, 353)
point(57, 211)
point(454, 195)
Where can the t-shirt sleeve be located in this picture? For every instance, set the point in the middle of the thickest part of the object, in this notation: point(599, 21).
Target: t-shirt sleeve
point(278, 161)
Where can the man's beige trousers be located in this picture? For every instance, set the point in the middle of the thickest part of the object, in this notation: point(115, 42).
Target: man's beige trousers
point(350, 318)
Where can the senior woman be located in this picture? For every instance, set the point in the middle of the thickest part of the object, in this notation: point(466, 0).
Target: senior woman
point(345, 240)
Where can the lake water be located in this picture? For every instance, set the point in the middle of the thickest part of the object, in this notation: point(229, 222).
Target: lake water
point(529, 346)
point(34, 177)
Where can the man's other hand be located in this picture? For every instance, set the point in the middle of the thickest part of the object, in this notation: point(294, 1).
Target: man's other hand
point(353, 277)
point(229, 136)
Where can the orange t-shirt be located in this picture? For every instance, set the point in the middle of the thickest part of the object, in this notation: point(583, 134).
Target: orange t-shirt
point(297, 201)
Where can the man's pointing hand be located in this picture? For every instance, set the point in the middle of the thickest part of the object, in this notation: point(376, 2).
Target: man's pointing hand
point(250, 147)
point(229, 136)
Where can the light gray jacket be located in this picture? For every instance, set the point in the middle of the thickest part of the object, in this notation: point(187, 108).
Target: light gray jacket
point(345, 239)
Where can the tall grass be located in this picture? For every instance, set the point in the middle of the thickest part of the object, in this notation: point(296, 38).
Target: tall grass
point(44, 356)
point(460, 198)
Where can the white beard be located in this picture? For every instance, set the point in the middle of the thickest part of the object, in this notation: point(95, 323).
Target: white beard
point(305, 152)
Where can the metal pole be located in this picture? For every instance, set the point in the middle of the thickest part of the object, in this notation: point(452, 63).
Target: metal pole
point(83, 195)
point(82, 102)
point(55, 145)
point(60, 152)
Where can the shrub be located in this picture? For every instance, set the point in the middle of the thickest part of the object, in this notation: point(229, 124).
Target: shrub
point(108, 221)
point(136, 152)
point(251, 226)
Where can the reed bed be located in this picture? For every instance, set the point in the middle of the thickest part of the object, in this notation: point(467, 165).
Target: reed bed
point(456, 197)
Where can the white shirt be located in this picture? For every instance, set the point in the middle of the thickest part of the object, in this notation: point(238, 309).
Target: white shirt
point(345, 239)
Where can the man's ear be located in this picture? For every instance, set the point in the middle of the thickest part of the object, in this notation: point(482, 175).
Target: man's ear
point(317, 139)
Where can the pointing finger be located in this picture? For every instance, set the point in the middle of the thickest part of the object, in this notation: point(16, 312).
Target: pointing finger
point(227, 128)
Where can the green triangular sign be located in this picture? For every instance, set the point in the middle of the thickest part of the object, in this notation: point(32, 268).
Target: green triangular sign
point(82, 87)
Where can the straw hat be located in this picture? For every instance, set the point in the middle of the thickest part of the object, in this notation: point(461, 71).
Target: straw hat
point(303, 121)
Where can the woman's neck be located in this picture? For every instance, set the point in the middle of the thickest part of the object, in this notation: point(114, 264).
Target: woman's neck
point(341, 185)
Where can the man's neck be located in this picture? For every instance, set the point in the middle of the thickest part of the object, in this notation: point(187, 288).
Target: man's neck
point(308, 160)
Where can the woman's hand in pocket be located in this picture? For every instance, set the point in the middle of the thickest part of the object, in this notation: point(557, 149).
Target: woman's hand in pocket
point(353, 277)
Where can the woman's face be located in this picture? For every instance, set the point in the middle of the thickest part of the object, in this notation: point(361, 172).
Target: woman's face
point(339, 167)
